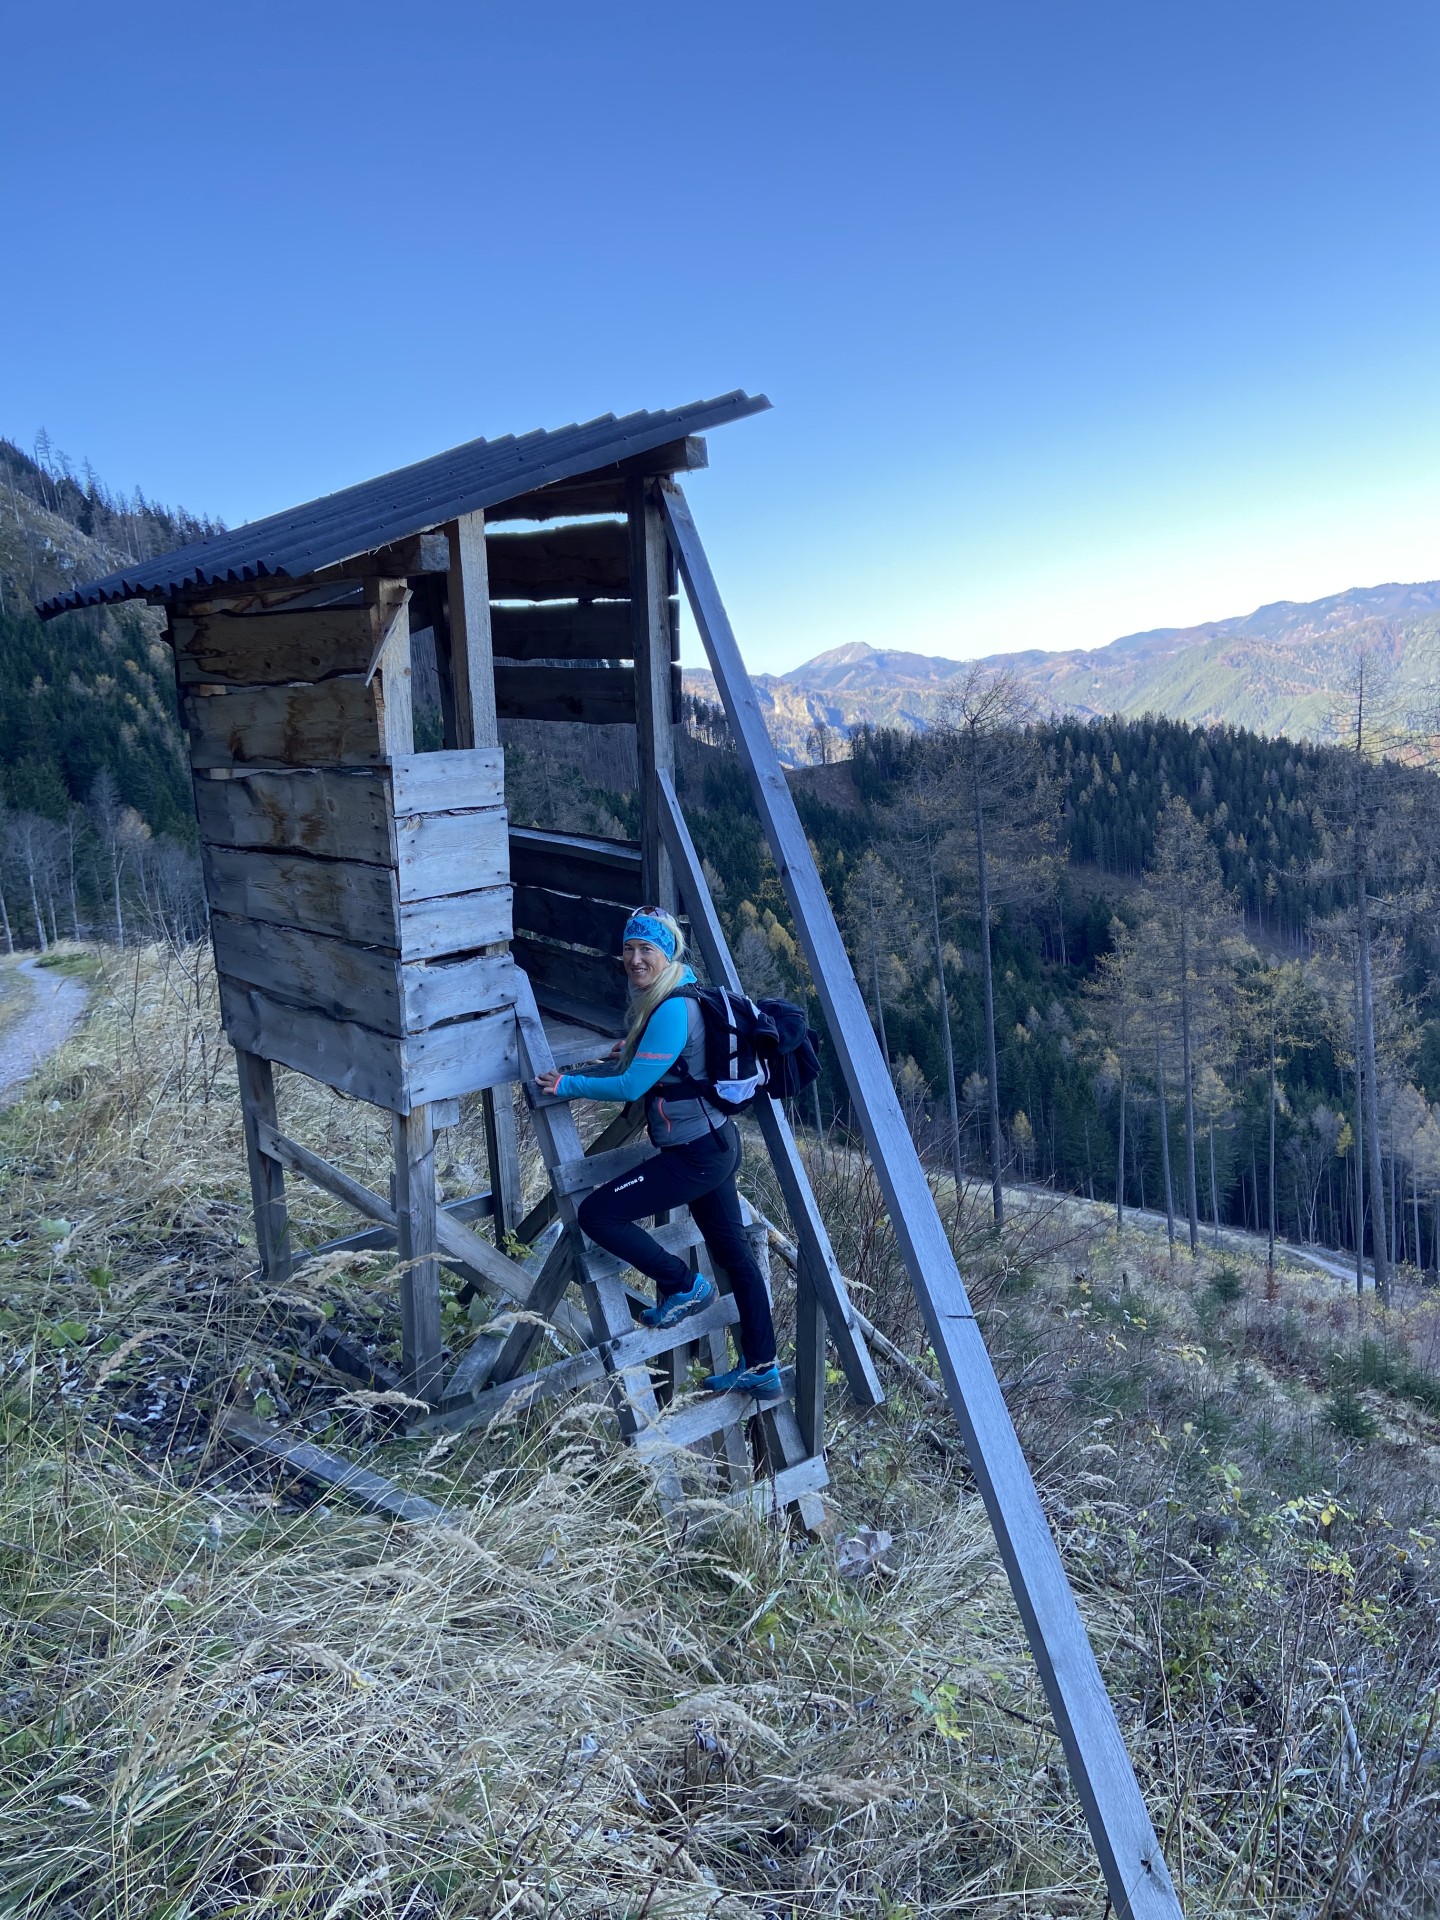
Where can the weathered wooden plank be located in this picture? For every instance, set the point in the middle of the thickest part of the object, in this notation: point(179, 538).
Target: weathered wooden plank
point(350, 982)
point(415, 1242)
point(571, 917)
point(603, 1020)
point(392, 1073)
point(471, 653)
point(822, 1269)
point(323, 1468)
point(562, 563)
point(267, 1180)
point(586, 696)
point(562, 630)
point(460, 923)
point(809, 1365)
point(502, 1156)
point(566, 1376)
point(593, 1169)
point(593, 979)
point(698, 1419)
point(459, 1246)
point(780, 1490)
point(341, 815)
point(344, 898)
point(333, 723)
point(475, 1206)
point(506, 1351)
point(271, 649)
point(390, 664)
point(650, 566)
point(344, 1055)
point(445, 853)
point(457, 780)
point(1130, 1855)
point(464, 1057)
point(576, 863)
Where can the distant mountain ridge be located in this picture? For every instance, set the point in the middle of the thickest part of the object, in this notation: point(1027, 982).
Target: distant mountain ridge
point(1277, 670)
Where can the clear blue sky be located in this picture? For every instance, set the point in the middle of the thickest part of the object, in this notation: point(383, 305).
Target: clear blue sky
point(1077, 318)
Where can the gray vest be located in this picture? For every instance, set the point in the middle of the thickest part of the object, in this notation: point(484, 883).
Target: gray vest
point(675, 1122)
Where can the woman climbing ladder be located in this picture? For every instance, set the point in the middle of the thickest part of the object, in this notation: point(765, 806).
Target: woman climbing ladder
point(699, 1152)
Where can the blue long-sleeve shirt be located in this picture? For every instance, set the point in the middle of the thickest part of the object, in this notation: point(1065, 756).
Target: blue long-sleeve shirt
point(661, 1045)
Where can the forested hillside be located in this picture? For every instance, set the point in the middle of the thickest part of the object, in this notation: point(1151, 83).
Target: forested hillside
point(96, 820)
point(1107, 843)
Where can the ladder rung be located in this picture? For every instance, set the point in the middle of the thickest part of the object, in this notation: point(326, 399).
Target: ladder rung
point(580, 1176)
point(806, 1476)
point(699, 1419)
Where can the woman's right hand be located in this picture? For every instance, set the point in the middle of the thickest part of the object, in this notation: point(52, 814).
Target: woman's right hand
point(547, 1082)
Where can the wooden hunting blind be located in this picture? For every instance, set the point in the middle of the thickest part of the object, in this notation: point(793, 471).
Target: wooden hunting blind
point(379, 926)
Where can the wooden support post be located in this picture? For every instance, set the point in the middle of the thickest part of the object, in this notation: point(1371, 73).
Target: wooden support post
point(267, 1176)
point(458, 1245)
point(389, 603)
point(809, 1364)
point(472, 659)
point(859, 1369)
point(1130, 1855)
point(502, 1156)
point(654, 719)
point(418, 1246)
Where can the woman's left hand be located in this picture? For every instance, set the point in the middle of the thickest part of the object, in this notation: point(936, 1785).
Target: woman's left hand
point(547, 1082)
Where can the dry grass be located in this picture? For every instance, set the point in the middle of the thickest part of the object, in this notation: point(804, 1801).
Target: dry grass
point(218, 1699)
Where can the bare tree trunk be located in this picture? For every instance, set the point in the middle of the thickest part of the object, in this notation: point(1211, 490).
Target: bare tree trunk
point(1120, 1155)
point(945, 1036)
point(1415, 1215)
point(1192, 1209)
point(875, 969)
point(1165, 1142)
point(1270, 1247)
point(987, 973)
point(5, 923)
point(36, 914)
point(1214, 1189)
point(1359, 1163)
point(1368, 1072)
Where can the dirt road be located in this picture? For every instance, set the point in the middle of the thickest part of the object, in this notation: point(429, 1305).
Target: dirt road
point(54, 1005)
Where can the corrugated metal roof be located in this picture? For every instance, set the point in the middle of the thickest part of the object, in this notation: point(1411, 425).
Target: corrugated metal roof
point(482, 473)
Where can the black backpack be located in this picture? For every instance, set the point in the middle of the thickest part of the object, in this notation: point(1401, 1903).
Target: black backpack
point(751, 1047)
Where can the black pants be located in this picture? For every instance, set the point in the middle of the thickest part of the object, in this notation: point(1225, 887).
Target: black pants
point(701, 1176)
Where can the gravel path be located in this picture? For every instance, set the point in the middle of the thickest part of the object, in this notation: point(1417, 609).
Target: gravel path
point(56, 1005)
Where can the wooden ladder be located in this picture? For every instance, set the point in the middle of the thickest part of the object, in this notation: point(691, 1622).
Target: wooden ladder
point(663, 1421)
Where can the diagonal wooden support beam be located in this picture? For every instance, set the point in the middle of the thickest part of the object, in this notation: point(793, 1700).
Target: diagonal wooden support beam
point(456, 1242)
point(821, 1269)
point(1130, 1855)
point(566, 1376)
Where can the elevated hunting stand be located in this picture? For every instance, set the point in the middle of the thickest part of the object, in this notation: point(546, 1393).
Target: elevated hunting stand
point(379, 927)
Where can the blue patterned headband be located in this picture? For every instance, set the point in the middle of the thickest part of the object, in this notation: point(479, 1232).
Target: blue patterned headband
point(645, 926)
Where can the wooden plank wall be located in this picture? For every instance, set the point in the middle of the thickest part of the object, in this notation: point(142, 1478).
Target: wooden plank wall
point(562, 620)
point(359, 895)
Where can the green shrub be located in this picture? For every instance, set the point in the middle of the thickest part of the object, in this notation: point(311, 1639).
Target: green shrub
point(1226, 1285)
point(1347, 1414)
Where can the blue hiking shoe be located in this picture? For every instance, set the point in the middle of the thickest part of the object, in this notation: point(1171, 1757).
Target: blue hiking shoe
point(762, 1383)
point(671, 1308)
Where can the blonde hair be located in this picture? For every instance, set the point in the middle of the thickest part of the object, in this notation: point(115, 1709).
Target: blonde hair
point(671, 976)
